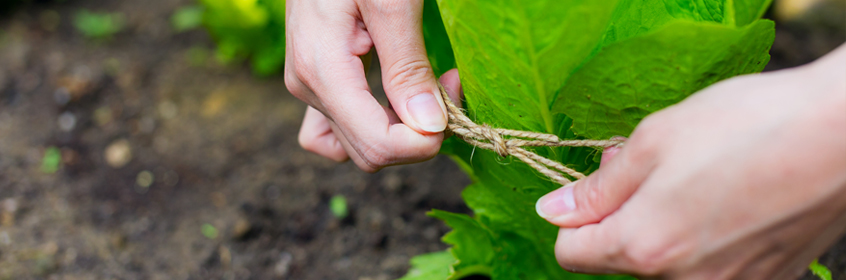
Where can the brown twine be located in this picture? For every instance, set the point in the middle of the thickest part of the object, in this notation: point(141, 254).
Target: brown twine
point(507, 142)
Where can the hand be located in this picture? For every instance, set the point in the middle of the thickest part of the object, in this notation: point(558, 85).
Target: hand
point(743, 180)
point(322, 68)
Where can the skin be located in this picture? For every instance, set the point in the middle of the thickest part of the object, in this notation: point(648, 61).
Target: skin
point(325, 39)
point(745, 179)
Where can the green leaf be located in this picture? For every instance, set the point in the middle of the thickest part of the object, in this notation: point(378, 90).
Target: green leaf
point(187, 18)
point(430, 266)
point(209, 231)
point(636, 17)
point(338, 206)
point(630, 79)
point(98, 25)
point(438, 47)
point(520, 54)
point(51, 161)
point(820, 270)
point(471, 244)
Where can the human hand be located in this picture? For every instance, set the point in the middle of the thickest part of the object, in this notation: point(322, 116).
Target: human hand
point(746, 179)
point(322, 67)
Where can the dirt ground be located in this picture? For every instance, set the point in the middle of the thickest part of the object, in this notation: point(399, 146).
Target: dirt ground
point(176, 167)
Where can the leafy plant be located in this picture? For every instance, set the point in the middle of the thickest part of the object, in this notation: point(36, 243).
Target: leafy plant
point(577, 69)
point(248, 29)
point(820, 270)
point(187, 18)
point(338, 206)
point(52, 160)
point(98, 25)
point(209, 231)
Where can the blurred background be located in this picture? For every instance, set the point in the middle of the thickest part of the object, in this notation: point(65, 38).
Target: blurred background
point(155, 139)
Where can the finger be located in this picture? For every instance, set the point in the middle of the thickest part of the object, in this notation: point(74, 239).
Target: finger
point(410, 85)
point(610, 152)
point(357, 158)
point(594, 248)
point(316, 136)
point(452, 85)
point(600, 194)
point(372, 131)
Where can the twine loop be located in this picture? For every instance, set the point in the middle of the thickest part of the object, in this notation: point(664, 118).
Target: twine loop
point(507, 142)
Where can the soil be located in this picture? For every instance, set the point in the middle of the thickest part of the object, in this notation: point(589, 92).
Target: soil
point(177, 167)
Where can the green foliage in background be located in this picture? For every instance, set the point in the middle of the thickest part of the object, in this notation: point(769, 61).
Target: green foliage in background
point(577, 69)
point(98, 25)
point(51, 161)
point(209, 231)
point(338, 206)
point(820, 270)
point(187, 18)
point(251, 30)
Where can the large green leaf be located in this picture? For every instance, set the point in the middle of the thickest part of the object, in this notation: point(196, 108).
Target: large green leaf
point(520, 53)
point(575, 69)
point(628, 80)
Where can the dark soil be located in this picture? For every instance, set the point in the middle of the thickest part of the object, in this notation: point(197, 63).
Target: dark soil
point(221, 146)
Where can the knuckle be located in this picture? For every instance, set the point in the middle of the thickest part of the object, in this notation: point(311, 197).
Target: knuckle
point(408, 72)
point(386, 153)
point(306, 142)
point(376, 157)
point(647, 258)
point(292, 82)
point(589, 198)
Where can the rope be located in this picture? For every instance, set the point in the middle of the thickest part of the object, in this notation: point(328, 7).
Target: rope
point(507, 142)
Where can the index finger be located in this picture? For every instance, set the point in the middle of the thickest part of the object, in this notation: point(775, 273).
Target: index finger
point(375, 132)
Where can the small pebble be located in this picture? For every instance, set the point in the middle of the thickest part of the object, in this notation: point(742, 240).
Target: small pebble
point(168, 110)
point(103, 115)
point(430, 233)
point(392, 182)
point(225, 256)
point(67, 121)
point(62, 96)
point(242, 226)
point(283, 265)
point(145, 179)
point(118, 153)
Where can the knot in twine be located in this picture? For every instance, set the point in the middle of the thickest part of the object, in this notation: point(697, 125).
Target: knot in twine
point(507, 142)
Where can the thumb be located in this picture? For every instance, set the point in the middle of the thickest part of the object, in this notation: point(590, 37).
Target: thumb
point(591, 199)
point(410, 85)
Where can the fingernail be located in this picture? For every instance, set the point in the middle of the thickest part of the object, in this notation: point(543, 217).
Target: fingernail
point(426, 112)
point(556, 203)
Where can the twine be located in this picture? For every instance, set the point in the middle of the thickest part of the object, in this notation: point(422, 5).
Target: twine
point(507, 142)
